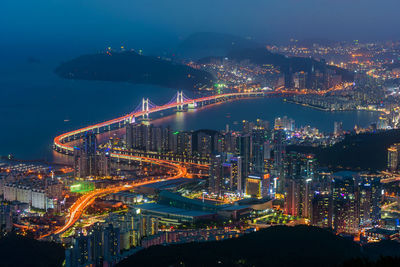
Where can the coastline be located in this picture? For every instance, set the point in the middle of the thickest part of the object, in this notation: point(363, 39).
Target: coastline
point(310, 106)
point(328, 110)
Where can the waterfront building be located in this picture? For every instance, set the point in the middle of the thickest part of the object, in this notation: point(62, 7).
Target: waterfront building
point(338, 128)
point(88, 164)
point(299, 80)
point(183, 141)
point(284, 123)
point(89, 161)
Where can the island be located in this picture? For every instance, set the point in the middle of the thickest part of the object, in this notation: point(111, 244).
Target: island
point(132, 67)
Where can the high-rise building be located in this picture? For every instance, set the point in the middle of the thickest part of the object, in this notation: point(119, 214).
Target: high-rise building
point(96, 244)
point(88, 164)
point(204, 144)
point(236, 174)
point(321, 210)
point(299, 174)
point(370, 189)
point(244, 149)
point(298, 196)
point(279, 139)
point(254, 186)
point(184, 143)
point(89, 161)
point(146, 138)
point(129, 136)
point(6, 224)
point(284, 123)
point(216, 174)
point(104, 242)
point(299, 80)
point(267, 150)
point(345, 202)
point(230, 142)
point(393, 157)
point(247, 127)
point(258, 141)
point(299, 165)
point(338, 128)
point(111, 241)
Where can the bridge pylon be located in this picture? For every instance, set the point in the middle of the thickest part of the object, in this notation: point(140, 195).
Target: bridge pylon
point(145, 109)
point(179, 101)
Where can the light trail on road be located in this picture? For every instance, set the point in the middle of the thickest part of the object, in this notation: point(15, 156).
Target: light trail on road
point(77, 209)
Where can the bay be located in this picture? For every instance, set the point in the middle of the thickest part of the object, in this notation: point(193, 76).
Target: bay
point(36, 105)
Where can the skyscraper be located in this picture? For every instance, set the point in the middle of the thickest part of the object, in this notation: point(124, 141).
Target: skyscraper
point(89, 151)
point(244, 149)
point(236, 174)
point(254, 186)
point(85, 157)
point(321, 210)
point(89, 161)
point(258, 145)
point(393, 157)
point(370, 189)
point(279, 139)
point(338, 128)
point(298, 197)
point(345, 202)
point(216, 173)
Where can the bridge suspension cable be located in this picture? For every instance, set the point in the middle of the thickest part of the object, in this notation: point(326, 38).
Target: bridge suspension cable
point(178, 98)
point(144, 106)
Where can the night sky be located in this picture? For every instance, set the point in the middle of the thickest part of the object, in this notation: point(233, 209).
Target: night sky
point(158, 23)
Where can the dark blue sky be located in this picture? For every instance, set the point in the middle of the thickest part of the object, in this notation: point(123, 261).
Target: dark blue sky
point(155, 23)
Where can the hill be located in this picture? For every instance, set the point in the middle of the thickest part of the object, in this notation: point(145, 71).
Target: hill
point(21, 251)
point(366, 151)
point(134, 68)
point(274, 246)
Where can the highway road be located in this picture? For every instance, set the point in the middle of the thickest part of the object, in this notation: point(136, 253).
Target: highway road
point(77, 209)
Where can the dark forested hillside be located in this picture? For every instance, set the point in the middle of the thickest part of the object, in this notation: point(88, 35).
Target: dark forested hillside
point(134, 68)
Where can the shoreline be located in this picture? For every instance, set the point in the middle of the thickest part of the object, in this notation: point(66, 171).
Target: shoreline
point(311, 106)
point(327, 110)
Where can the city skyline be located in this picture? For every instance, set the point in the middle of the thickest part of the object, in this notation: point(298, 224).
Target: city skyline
point(213, 133)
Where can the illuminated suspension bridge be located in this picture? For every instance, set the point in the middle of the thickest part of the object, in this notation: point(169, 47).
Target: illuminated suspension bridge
point(179, 103)
point(145, 108)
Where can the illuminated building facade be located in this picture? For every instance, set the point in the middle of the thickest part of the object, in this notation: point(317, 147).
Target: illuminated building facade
point(321, 210)
point(216, 174)
point(345, 202)
point(393, 157)
point(89, 161)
